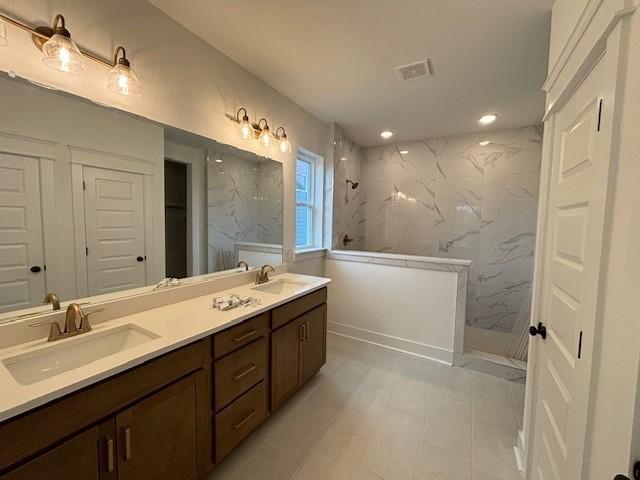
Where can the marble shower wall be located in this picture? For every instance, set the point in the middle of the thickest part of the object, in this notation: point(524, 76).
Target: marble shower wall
point(244, 204)
point(451, 197)
point(347, 203)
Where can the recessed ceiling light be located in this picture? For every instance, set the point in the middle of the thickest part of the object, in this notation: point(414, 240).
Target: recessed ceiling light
point(487, 119)
point(484, 143)
point(218, 160)
point(404, 152)
point(386, 134)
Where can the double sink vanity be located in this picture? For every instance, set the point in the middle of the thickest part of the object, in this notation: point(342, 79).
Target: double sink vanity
point(163, 393)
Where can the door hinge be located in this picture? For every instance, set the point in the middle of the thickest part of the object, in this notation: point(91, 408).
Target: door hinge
point(84, 185)
point(580, 345)
point(599, 115)
point(86, 249)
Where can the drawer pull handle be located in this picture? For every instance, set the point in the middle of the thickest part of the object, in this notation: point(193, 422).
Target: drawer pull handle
point(307, 331)
point(304, 332)
point(110, 459)
point(127, 443)
point(244, 372)
point(244, 420)
point(249, 334)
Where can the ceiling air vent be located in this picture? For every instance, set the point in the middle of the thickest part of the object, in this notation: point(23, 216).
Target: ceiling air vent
point(414, 71)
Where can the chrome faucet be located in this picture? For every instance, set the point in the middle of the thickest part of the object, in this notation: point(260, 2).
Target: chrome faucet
point(71, 328)
point(243, 263)
point(263, 276)
point(53, 299)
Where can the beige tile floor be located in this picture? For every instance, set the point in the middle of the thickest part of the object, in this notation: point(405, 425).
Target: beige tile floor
point(373, 413)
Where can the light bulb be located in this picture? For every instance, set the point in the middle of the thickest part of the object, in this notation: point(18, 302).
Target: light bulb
point(285, 144)
point(62, 53)
point(123, 81)
point(246, 130)
point(3, 34)
point(266, 138)
point(484, 143)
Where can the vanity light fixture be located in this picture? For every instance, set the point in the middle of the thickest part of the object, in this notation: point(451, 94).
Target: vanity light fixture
point(283, 142)
point(386, 134)
point(218, 160)
point(260, 131)
point(122, 79)
point(488, 119)
point(245, 130)
point(266, 138)
point(60, 52)
point(484, 143)
point(404, 152)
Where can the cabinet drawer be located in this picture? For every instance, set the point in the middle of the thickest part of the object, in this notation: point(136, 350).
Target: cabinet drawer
point(240, 335)
point(287, 312)
point(238, 372)
point(239, 419)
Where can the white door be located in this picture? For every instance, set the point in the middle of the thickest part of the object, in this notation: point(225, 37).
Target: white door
point(579, 174)
point(114, 222)
point(22, 277)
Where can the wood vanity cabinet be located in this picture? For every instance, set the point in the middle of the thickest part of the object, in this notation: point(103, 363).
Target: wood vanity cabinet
point(149, 422)
point(176, 416)
point(298, 345)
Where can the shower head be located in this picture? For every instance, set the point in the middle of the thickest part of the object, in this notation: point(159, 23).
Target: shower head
point(354, 185)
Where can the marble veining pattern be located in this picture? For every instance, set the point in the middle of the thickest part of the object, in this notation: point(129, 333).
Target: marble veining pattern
point(451, 197)
point(244, 203)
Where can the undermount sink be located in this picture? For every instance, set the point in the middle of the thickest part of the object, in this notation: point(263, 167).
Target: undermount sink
point(31, 367)
point(279, 287)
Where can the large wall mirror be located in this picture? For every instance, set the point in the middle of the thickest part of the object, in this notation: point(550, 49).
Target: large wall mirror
point(97, 204)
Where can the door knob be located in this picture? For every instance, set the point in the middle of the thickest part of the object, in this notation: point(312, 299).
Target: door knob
point(140, 259)
point(539, 330)
point(35, 269)
point(621, 477)
point(636, 473)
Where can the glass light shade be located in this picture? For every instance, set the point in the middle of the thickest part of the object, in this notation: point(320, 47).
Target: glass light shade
point(3, 34)
point(123, 81)
point(285, 144)
point(62, 53)
point(245, 130)
point(266, 138)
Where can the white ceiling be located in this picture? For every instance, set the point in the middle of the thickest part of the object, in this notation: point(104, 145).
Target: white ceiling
point(336, 58)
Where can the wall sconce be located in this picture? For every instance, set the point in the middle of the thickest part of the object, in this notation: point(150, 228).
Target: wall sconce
point(283, 141)
point(265, 137)
point(59, 51)
point(260, 131)
point(122, 79)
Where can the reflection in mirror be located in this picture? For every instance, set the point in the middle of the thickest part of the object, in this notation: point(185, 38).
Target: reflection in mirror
point(96, 204)
point(244, 209)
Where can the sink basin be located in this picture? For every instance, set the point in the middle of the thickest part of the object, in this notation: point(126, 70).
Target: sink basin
point(279, 287)
point(31, 367)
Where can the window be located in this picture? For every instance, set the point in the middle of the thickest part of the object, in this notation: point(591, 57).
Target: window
point(308, 200)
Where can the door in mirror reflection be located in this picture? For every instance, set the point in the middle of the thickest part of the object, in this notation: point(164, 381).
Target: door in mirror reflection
point(114, 223)
point(22, 273)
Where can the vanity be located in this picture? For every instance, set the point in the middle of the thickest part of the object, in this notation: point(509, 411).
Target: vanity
point(187, 385)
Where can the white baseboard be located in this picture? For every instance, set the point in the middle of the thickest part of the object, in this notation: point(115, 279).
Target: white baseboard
point(431, 352)
point(519, 451)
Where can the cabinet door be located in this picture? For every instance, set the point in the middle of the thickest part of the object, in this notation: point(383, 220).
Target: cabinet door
point(313, 352)
point(285, 353)
point(87, 456)
point(157, 438)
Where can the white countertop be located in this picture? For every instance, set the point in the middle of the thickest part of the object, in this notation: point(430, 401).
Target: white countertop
point(177, 324)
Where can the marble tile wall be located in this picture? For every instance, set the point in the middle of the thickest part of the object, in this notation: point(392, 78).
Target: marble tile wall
point(451, 197)
point(347, 203)
point(244, 203)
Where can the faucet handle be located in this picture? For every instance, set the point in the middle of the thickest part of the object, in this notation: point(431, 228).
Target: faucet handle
point(85, 326)
point(54, 331)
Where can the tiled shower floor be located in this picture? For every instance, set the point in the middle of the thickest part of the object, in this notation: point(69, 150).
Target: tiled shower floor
point(373, 414)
